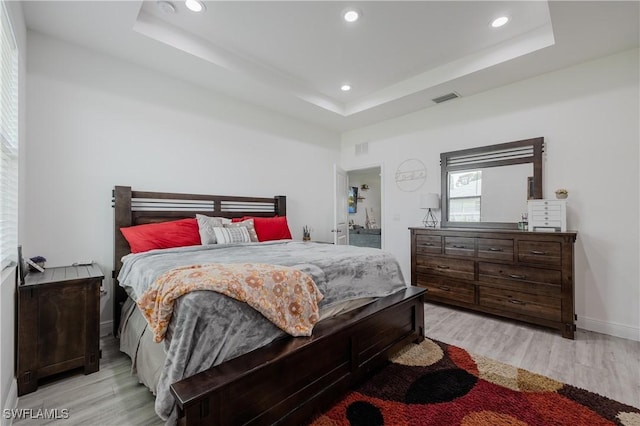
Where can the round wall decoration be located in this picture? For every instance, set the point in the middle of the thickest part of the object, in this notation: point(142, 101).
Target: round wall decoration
point(411, 175)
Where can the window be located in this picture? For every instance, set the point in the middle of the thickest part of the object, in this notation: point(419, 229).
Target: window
point(465, 193)
point(8, 142)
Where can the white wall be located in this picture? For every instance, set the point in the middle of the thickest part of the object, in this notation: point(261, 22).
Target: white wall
point(588, 115)
point(96, 121)
point(8, 388)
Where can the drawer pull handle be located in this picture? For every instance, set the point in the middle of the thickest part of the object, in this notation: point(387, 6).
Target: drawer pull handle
point(516, 302)
point(444, 288)
point(442, 267)
point(494, 249)
point(518, 277)
point(456, 246)
point(540, 253)
point(427, 244)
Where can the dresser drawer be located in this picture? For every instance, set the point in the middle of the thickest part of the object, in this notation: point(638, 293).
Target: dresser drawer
point(452, 268)
point(534, 305)
point(546, 206)
point(428, 244)
point(445, 288)
point(547, 223)
point(521, 278)
point(490, 248)
point(546, 214)
point(459, 246)
point(540, 252)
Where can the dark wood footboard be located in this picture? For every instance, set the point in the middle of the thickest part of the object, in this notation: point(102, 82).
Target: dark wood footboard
point(291, 380)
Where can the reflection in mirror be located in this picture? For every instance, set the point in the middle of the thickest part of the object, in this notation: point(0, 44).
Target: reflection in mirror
point(488, 187)
point(493, 194)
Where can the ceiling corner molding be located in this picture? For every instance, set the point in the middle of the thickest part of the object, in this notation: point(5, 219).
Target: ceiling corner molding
point(177, 38)
point(531, 41)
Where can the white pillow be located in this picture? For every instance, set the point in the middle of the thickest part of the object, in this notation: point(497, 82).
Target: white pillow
point(206, 225)
point(238, 234)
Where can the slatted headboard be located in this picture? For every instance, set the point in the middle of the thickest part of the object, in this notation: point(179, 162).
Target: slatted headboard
point(140, 207)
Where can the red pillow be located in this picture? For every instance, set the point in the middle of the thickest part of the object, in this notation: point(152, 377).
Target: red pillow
point(176, 233)
point(270, 228)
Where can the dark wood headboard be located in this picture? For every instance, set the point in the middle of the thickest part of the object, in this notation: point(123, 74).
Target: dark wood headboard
point(140, 207)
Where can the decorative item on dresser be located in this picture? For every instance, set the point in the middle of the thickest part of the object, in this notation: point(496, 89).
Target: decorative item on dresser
point(428, 202)
point(58, 323)
point(526, 276)
point(547, 215)
point(561, 193)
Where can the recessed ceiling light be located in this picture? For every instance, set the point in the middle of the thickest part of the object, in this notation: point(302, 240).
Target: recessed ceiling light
point(351, 15)
point(345, 87)
point(194, 5)
point(498, 22)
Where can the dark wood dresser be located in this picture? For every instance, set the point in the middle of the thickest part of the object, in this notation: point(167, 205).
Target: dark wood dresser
point(522, 275)
point(58, 323)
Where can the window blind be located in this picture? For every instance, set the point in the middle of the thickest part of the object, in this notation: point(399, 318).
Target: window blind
point(8, 142)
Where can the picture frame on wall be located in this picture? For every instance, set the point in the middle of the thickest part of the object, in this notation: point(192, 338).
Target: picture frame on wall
point(352, 199)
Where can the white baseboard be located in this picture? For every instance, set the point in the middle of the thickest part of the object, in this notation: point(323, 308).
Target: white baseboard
point(610, 328)
point(11, 402)
point(106, 328)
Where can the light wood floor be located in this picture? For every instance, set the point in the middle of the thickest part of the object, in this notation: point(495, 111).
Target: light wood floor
point(607, 365)
point(597, 362)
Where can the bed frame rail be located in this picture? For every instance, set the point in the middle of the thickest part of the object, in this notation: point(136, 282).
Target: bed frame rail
point(291, 380)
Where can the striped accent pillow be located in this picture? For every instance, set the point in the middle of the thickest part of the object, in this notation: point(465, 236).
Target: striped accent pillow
point(206, 225)
point(233, 235)
point(248, 223)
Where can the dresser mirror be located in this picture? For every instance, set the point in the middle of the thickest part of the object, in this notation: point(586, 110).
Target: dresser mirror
point(488, 187)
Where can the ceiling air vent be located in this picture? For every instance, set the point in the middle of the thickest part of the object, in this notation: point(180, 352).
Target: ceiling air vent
point(445, 98)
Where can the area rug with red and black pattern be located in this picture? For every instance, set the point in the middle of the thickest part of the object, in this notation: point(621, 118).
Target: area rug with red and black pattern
point(433, 383)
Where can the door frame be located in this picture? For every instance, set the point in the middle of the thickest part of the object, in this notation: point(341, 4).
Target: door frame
point(339, 196)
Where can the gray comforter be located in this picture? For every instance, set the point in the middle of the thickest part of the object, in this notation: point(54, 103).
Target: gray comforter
point(208, 328)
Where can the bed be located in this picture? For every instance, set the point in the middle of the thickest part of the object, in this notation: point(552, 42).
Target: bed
point(265, 385)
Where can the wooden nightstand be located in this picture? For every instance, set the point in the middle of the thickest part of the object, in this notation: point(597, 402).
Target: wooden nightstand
point(58, 323)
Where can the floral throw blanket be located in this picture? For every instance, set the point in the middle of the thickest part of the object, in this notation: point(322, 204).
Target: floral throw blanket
point(285, 296)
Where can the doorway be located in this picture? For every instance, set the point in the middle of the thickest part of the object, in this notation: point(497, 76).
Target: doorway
point(365, 207)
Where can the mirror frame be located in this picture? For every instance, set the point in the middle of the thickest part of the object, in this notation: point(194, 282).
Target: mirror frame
point(504, 154)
